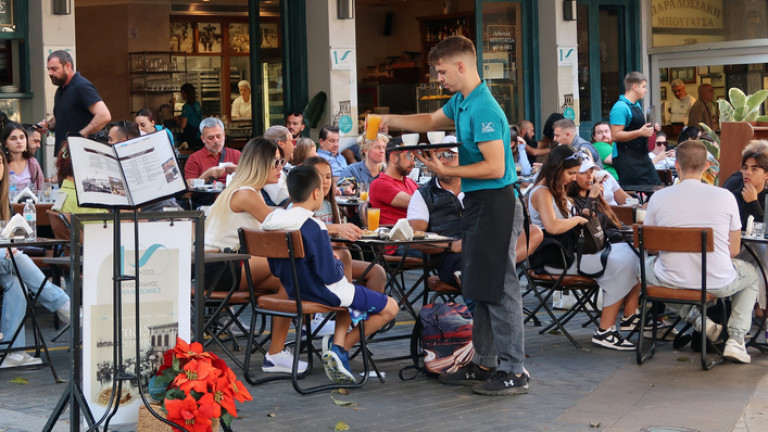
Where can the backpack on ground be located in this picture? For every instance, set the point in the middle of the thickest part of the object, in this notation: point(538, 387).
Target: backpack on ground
point(441, 341)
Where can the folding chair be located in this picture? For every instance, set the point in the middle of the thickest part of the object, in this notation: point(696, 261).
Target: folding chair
point(687, 240)
point(289, 245)
point(626, 214)
point(545, 284)
point(441, 290)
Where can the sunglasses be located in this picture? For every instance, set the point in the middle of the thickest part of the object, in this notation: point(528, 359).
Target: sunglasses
point(661, 143)
point(579, 156)
point(407, 155)
point(279, 163)
point(449, 156)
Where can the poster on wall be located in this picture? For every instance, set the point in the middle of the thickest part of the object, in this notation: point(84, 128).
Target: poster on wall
point(269, 35)
point(6, 13)
point(239, 39)
point(164, 287)
point(209, 38)
point(182, 37)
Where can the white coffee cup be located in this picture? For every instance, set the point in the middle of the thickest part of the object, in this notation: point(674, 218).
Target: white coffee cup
point(435, 137)
point(410, 139)
point(198, 183)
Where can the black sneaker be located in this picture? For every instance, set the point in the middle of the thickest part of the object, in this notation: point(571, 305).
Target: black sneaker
point(502, 383)
point(629, 323)
point(466, 375)
point(611, 339)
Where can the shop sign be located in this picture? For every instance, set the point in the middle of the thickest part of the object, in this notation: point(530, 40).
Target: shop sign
point(687, 14)
point(342, 58)
point(501, 38)
point(6, 13)
point(567, 55)
point(345, 124)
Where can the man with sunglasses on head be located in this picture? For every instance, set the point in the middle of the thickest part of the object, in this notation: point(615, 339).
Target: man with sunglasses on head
point(213, 162)
point(294, 121)
point(392, 190)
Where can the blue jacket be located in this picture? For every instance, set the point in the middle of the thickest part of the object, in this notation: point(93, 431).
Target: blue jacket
point(321, 276)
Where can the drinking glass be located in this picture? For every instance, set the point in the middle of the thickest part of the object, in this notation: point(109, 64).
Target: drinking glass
point(372, 127)
point(363, 189)
point(373, 218)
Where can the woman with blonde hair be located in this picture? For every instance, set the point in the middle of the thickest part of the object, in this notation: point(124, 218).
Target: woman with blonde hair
point(242, 205)
point(374, 153)
point(305, 149)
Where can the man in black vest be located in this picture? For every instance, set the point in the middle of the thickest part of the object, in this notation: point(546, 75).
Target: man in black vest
point(437, 207)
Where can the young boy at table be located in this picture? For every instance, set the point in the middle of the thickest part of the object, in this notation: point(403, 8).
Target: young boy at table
point(321, 274)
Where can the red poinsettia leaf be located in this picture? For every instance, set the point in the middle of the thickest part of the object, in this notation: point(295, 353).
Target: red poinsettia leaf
point(240, 392)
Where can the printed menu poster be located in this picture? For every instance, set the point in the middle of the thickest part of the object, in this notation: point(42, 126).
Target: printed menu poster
point(165, 263)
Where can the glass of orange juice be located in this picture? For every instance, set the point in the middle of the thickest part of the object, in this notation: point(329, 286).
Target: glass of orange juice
point(372, 127)
point(363, 191)
point(373, 218)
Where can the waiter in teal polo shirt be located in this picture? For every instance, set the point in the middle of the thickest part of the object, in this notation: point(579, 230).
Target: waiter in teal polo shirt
point(492, 218)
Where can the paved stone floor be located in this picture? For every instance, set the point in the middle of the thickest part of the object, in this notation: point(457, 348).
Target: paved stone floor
point(571, 390)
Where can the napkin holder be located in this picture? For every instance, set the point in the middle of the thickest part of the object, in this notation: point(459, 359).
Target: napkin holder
point(17, 227)
point(402, 231)
point(750, 228)
point(25, 194)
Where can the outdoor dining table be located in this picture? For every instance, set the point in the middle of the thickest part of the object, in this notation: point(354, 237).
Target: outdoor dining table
point(747, 242)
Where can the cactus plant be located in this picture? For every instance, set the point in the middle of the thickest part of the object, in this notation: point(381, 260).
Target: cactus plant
point(742, 107)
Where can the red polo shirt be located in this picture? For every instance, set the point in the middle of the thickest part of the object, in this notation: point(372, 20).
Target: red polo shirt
point(202, 159)
point(383, 190)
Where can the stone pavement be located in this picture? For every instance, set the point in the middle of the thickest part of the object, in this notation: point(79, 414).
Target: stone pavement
point(571, 390)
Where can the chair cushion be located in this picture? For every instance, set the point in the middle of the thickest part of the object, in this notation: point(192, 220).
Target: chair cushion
point(280, 304)
point(436, 285)
point(691, 295)
point(569, 281)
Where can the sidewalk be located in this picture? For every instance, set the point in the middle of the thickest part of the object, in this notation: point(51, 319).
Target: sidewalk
point(571, 390)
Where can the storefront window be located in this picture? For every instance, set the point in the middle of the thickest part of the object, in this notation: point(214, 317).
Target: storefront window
point(684, 22)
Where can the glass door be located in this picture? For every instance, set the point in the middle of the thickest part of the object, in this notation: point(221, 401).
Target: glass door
point(607, 37)
point(500, 52)
point(272, 74)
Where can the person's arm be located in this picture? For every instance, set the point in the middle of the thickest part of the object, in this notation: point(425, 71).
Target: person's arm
point(401, 200)
point(491, 167)
point(620, 135)
point(101, 116)
point(620, 196)
point(417, 122)
point(541, 200)
point(344, 230)
point(659, 157)
point(734, 242)
point(247, 200)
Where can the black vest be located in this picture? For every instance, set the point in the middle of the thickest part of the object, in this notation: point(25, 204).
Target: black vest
point(445, 210)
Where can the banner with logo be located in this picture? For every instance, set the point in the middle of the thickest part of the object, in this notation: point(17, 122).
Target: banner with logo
point(165, 251)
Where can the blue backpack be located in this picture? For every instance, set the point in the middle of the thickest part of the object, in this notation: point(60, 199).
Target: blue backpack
point(441, 339)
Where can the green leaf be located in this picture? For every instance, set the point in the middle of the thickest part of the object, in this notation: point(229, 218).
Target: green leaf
point(762, 118)
point(19, 380)
point(737, 97)
point(343, 403)
point(755, 99)
point(751, 116)
point(738, 113)
point(176, 364)
point(226, 418)
point(341, 426)
point(726, 110)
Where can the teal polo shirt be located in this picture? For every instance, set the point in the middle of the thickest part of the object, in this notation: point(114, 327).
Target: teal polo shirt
point(621, 112)
point(479, 118)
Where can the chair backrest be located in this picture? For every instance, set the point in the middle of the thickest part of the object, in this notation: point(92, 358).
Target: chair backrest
point(665, 175)
point(626, 214)
point(271, 244)
point(669, 239)
point(62, 230)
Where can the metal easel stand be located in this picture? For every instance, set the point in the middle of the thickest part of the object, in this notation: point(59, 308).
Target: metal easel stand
point(73, 395)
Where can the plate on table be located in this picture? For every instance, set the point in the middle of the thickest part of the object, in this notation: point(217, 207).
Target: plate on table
point(419, 235)
point(370, 234)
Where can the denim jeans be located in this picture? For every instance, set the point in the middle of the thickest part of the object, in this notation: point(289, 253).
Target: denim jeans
point(742, 291)
point(14, 304)
point(497, 333)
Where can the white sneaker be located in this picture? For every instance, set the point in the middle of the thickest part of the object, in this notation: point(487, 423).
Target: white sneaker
point(20, 359)
point(736, 352)
point(281, 362)
point(328, 329)
point(64, 313)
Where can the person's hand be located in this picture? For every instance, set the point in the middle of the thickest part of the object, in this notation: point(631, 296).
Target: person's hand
point(213, 172)
point(432, 162)
point(749, 193)
point(520, 140)
point(656, 127)
point(348, 231)
point(582, 221)
point(456, 246)
point(535, 167)
point(230, 167)
point(671, 153)
point(596, 189)
point(336, 256)
point(647, 130)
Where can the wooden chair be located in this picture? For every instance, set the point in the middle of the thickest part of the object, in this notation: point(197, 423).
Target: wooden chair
point(665, 176)
point(545, 284)
point(686, 240)
point(289, 245)
point(626, 214)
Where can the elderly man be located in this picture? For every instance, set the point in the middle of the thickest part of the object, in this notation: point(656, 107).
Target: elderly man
point(278, 192)
point(391, 191)
point(77, 106)
point(692, 203)
point(704, 110)
point(241, 107)
point(328, 143)
point(294, 121)
point(212, 162)
point(565, 133)
point(680, 107)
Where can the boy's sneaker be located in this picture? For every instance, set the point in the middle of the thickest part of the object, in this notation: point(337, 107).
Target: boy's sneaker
point(281, 362)
point(336, 363)
point(64, 314)
point(502, 383)
point(611, 339)
point(20, 359)
point(318, 328)
point(661, 329)
point(736, 352)
point(714, 331)
point(466, 375)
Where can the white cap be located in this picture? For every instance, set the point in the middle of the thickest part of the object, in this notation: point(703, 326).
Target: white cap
point(587, 163)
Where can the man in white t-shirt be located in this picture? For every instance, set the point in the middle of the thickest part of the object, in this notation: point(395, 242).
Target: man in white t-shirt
point(692, 203)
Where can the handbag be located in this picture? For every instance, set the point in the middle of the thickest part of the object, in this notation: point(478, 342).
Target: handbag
point(590, 239)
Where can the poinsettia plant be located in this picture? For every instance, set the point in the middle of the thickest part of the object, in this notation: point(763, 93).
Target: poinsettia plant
point(196, 387)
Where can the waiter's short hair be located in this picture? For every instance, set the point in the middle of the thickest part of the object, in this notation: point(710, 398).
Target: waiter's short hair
point(450, 47)
point(633, 78)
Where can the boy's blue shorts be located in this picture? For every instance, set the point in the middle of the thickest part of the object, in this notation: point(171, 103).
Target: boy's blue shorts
point(368, 301)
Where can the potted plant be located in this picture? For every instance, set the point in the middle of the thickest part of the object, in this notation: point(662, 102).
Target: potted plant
point(742, 107)
point(196, 388)
point(712, 142)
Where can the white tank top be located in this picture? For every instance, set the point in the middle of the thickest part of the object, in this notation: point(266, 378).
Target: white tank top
point(535, 216)
point(221, 232)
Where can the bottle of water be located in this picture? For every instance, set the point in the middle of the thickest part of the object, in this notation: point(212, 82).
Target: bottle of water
point(30, 215)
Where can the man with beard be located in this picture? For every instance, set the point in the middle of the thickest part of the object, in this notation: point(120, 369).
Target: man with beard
point(294, 121)
point(532, 147)
point(391, 191)
point(77, 107)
